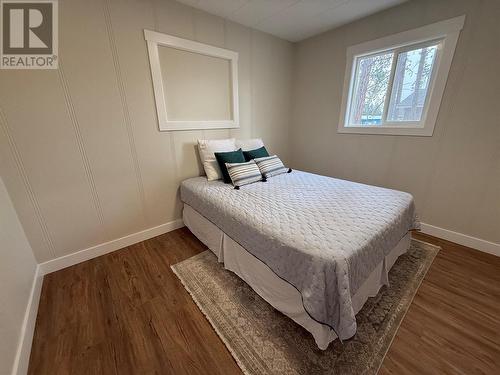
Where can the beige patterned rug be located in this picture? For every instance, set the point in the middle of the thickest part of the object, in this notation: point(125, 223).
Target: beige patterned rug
point(264, 341)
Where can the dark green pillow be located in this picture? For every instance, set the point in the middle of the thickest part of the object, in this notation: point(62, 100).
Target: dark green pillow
point(254, 154)
point(228, 157)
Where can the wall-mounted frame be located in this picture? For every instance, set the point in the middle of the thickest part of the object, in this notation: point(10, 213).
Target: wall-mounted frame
point(163, 46)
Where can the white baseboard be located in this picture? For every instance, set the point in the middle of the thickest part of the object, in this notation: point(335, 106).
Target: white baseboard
point(462, 239)
point(24, 349)
point(107, 247)
point(22, 359)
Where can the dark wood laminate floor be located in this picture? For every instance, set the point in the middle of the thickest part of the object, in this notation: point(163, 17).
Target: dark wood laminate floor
point(127, 313)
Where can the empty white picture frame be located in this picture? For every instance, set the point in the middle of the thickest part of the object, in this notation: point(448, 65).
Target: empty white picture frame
point(195, 84)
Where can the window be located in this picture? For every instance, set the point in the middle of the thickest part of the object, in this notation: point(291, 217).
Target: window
point(394, 85)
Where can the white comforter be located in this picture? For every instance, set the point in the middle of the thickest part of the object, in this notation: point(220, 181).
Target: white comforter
point(322, 235)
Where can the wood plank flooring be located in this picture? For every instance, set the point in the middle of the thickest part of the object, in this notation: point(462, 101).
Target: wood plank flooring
point(127, 313)
point(453, 324)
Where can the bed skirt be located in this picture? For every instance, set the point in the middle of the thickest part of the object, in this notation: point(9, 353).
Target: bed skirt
point(277, 292)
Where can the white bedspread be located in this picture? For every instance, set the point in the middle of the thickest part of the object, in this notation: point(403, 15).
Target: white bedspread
point(322, 235)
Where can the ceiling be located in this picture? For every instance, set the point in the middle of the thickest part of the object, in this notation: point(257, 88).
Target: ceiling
point(293, 20)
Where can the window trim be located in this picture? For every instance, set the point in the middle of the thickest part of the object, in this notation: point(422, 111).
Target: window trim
point(447, 32)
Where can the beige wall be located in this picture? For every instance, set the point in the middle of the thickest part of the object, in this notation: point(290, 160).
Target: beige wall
point(17, 270)
point(84, 163)
point(454, 175)
point(80, 150)
point(196, 87)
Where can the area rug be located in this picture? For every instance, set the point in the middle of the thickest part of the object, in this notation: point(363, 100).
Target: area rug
point(264, 341)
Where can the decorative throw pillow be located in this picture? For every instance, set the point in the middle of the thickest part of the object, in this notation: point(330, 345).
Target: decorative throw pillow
point(271, 166)
point(228, 157)
point(249, 144)
point(243, 173)
point(207, 148)
point(258, 153)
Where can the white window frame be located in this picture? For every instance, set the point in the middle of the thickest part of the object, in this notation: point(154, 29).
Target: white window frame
point(155, 39)
point(447, 32)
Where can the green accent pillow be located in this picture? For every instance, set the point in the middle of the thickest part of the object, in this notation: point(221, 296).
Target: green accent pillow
point(228, 157)
point(254, 154)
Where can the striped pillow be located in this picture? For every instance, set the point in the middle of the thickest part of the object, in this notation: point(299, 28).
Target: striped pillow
point(243, 173)
point(271, 166)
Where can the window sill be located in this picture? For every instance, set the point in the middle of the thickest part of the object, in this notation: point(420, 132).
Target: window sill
point(386, 130)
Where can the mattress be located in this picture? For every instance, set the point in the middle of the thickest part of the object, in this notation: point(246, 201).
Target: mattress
point(322, 235)
point(277, 292)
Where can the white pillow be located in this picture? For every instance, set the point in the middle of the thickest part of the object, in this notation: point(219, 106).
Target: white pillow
point(249, 144)
point(206, 148)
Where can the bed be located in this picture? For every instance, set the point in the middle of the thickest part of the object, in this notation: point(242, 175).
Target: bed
point(313, 247)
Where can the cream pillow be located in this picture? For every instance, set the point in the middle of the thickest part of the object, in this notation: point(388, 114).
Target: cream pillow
point(206, 148)
point(249, 144)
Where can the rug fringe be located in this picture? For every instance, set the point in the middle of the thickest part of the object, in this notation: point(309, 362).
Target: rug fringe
point(408, 305)
point(226, 343)
point(408, 301)
point(427, 243)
